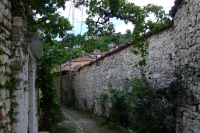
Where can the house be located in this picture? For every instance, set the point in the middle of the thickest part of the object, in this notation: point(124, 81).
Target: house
point(112, 47)
point(98, 54)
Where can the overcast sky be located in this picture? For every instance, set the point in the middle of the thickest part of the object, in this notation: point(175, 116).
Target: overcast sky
point(78, 16)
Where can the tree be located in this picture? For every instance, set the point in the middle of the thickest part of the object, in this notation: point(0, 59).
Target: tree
point(75, 40)
point(50, 22)
point(104, 10)
point(128, 34)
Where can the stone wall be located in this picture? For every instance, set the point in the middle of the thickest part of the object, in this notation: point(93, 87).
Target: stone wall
point(17, 105)
point(175, 47)
point(119, 68)
point(187, 56)
point(5, 54)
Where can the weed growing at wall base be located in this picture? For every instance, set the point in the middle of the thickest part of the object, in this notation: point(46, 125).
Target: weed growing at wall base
point(143, 109)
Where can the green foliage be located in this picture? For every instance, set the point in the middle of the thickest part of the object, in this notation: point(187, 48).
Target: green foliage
point(10, 82)
point(118, 112)
point(49, 100)
point(70, 97)
point(24, 62)
point(75, 40)
point(103, 103)
point(10, 85)
point(89, 45)
point(50, 22)
point(144, 109)
point(76, 52)
point(84, 101)
point(1, 51)
point(127, 12)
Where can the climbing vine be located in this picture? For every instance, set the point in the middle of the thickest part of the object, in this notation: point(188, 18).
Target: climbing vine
point(49, 104)
point(10, 85)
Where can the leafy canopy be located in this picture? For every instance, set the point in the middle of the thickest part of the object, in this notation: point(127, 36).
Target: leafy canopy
point(99, 14)
point(50, 21)
point(101, 11)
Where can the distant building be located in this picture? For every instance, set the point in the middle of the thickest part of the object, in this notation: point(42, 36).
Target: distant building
point(98, 54)
point(77, 46)
point(112, 47)
point(75, 63)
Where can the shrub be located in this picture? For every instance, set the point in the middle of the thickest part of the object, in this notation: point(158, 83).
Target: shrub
point(143, 109)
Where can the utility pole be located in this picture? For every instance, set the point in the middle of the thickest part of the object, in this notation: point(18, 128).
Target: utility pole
point(61, 90)
point(70, 54)
point(70, 57)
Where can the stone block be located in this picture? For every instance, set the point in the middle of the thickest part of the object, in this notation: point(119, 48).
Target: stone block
point(18, 93)
point(17, 21)
point(1, 17)
point(9, 5)
point(7, 93)
point(198, 17)
point(9, 17)
point(5, 2)
point(6, 33)
point(16, 30)
point(19, 75)
point(3, 79)
point(17, 43)
point(2, 7)
point(2, 93)
point(6, 12)
point(19, 52)
point(7, 106)
point(19, 84)
point(193, 19)
point(16, 37)
point(16, 64)
point(1, 113)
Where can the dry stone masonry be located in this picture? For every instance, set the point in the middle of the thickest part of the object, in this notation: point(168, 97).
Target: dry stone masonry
point(175, 47)
point(5, 53)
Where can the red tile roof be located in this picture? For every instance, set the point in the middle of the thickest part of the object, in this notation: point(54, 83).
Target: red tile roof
point(82, 59)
